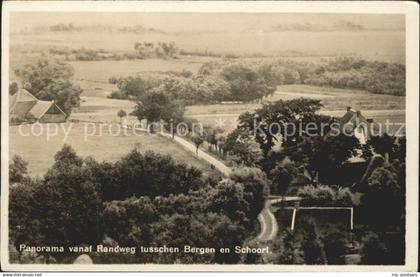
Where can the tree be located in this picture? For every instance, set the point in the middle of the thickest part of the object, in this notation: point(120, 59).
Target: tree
point(383, 195)
point(24, 223)
point(128, 221)
point(13, 88)
point(229, 199)
point(374, 251)
point(52, 207)
point(180, 231)
point(383, 145)
point(245, 82)
point(51, 81)
point(243, 149)
point(256, 188)
point(156, 105)
point(281, 120)
point(18, 170)
point(282, 176)
point(66, 157)
point(312, 246)
point(324, 156)
point(62, 197)
point(147, 174)
point(121, 114)
point(288, 249)
point(335, 247)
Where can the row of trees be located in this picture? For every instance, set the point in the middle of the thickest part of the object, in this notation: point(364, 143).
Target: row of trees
point(140, 200)
point(237, 83)
point(159, 50)
point(375, 77)
point(251, 80)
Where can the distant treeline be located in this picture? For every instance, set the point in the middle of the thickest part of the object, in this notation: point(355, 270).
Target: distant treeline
point(136, 29)
point(254, 79)
point(341, 25)
point(142, 50)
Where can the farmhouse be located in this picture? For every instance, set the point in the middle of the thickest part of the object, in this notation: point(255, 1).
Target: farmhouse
point(23, 105)
point(354, 122)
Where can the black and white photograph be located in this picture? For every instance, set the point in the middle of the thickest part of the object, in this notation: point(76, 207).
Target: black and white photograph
point(211, 139)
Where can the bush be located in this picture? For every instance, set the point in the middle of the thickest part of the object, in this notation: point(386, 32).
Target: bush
point(322, 195)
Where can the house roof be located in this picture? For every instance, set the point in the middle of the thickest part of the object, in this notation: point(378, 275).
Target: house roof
point(23, 102)
point(40, 108)
point(347, 117)
point(352, 117)
point(22, 95)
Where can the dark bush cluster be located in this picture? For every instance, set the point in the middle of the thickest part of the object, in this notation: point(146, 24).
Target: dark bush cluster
point(140, 200)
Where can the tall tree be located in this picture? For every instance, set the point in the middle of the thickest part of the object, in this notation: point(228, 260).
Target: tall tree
point(323, 157)
point(256, 188)
point(282, 176)
point(156, 105)
point(312, 245)
point(51, 80)
point(18, 169)
point(13, 88)
point(383, 145)
point(121, 114)
point(283, 122)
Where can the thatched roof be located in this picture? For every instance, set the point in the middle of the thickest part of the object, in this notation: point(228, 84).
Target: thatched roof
point(23, 103)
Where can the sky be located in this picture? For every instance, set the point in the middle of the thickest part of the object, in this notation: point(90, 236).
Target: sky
point(196, 22)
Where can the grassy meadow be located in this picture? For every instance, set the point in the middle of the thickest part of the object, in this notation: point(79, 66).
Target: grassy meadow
point(107, 146)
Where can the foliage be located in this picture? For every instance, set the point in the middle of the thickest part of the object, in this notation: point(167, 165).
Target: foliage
point(322, 195)
point(282, 176)
point(324, 156)
point(256, 188)
point(51, 80)
point(275, 120)
point(229, 199)
point(46, 212)
point(243, 149)
point(128, 221)
point(18, 170)
point(140, 200)
point(121, 114)
point(312, 245)
point(375, 77)
point(146, 174)
point(335, 245)
point(288, 249)
point(13, 88)
point(383, 195)
point(157, 105)
point(374, 251)
point(160, 50)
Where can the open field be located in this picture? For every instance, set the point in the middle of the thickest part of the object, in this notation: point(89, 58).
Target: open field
point(101, 109)
point(378, 107)
point(105, 147)
point(93, 76)
point(373, 45)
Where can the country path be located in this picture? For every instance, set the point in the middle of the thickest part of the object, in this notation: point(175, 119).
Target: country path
point(267, 220)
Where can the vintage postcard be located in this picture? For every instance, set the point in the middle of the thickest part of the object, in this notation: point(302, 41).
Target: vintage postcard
point(209, 136)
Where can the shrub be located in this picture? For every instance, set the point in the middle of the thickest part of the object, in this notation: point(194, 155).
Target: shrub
point(322, 195)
